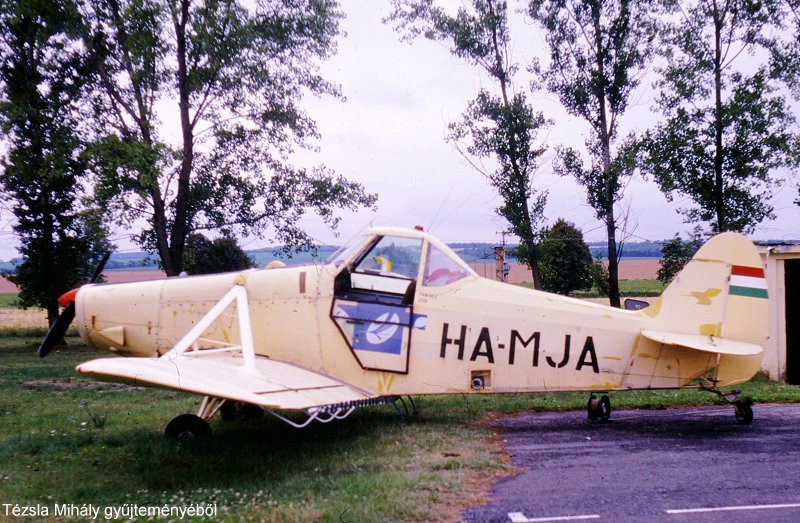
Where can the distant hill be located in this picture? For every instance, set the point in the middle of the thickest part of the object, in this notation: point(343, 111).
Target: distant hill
point(629, 250)
point(142, 261)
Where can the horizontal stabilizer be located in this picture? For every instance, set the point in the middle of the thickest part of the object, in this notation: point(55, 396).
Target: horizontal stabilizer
point(271, 384)
point(704, 343)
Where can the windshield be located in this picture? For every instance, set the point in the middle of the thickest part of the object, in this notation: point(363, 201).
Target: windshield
point(393, 256)
point(346, 251)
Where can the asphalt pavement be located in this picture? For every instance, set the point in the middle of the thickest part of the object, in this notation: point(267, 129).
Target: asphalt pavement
point(676, 465)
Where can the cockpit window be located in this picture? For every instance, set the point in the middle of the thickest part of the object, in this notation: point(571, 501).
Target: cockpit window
point(345, 251)
point(393, 256)
point(441, 269)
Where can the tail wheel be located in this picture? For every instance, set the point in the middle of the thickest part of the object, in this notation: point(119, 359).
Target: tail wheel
point(187, 427)
point(599, 409)
point(592, 408)
point(743, 412)
point(605, 408)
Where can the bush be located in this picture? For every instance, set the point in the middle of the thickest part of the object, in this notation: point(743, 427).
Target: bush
point(565, 259)
point(204, 256)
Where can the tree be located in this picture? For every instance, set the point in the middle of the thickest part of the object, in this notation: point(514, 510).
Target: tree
point(41, 74)
point(785, 62)
point(676, 253)
point(727, 127)
point(233, 72)
point(501, 127)
point(204, 256)
point(565, 259)
point(598, 50)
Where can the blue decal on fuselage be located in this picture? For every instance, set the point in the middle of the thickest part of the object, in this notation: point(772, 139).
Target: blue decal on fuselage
point(379, 327)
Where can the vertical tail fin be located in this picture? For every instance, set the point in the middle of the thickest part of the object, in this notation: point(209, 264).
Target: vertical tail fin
point(721, 292)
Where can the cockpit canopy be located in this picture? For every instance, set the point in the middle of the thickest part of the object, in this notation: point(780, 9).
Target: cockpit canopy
point(389, 260)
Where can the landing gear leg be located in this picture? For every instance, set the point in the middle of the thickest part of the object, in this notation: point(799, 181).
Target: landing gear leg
point(599, 409)
point(741, 408)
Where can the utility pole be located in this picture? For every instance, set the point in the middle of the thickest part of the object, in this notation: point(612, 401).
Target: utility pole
point(501, 267)
point(500, 258)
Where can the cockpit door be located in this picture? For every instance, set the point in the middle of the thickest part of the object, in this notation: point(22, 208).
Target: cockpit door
point(373, 303)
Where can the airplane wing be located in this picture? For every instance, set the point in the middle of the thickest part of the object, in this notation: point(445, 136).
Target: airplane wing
point(269, 383)
point(229, 371)
point(704, 343)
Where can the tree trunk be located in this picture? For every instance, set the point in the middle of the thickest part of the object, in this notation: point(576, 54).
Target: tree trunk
point(613, 264)
point(533, 262)
point(181, 225)
point(160, 229)
point(536, 272)
point(609, 195)
point(52, 312)
point(169, 244)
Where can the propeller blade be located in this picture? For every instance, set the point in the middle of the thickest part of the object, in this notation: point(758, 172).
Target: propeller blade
point(57, 330)
point(59, 327)
point(99, 270)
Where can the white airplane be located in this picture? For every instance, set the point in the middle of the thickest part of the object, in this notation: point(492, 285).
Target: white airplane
point(397, 313)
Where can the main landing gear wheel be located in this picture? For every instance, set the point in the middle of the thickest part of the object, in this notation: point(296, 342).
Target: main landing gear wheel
point(188, 427)
point(743, 412)
point(599, 409)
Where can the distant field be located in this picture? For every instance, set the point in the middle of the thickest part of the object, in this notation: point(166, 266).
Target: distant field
point(629, 269)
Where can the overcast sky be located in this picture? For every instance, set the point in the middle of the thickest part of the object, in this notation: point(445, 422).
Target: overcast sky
point(390, 135)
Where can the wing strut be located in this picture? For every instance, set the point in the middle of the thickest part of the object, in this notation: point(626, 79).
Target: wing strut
point(187, 346)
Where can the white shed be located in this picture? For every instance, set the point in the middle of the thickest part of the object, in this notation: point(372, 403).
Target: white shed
point(782, 270)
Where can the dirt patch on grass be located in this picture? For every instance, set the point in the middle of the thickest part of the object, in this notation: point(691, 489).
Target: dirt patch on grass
point(61, 384)
point(475, 481)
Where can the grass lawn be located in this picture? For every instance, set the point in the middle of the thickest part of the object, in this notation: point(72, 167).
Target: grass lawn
point(65, 439)
point(640, 287)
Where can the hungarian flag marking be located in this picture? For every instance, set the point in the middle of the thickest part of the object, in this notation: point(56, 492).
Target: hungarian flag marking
point(748, 281)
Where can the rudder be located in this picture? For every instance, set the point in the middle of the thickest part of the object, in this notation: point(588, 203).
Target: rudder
point(721, 292)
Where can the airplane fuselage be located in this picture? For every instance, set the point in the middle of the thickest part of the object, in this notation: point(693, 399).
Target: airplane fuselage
point(468, 335)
